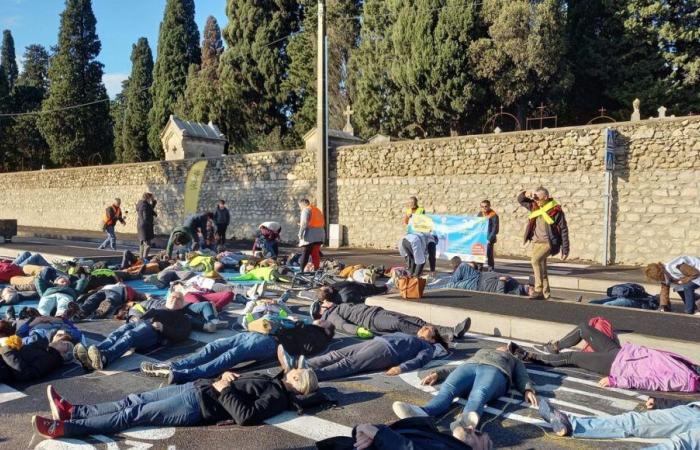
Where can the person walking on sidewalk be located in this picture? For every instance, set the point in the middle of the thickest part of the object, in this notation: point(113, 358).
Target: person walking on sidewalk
point(490, 214)
point(684, 274)
point(145, 209)
point(548, 232)
point(312, 233)
point(222, 218)
point(113, 214)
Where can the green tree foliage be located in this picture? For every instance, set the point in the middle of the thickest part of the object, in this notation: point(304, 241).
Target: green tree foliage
point(178, 47)
point(117, 111)
point(253, 69)
point(137, 103)
point(31, 150)
point(77, 136)
point(522, 57)
point(372, 92)
point(201, 101)
point(343, 29)
point(8, 61)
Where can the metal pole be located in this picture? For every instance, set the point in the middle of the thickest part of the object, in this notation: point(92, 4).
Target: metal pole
point(606, 217)
point(321, 111)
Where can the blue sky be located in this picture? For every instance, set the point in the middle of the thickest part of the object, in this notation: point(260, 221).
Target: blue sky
point(119, 24)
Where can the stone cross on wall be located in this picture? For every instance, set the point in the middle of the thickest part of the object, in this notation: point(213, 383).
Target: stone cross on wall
point(662, 112)
point(348, 125)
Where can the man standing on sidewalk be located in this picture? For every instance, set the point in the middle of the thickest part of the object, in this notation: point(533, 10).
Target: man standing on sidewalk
point(490, 214)
point(549, 233)
point(222, 218)
point(113, 214)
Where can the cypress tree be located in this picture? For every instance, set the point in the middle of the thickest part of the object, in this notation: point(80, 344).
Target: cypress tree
point(117, 111)
point(8, 60)
point(253, 69)
point(79, 135)
point(201, 101)
point(343, 28)
point(521, 57)
point(178, 47)
point(137, 104)
point(30, 91)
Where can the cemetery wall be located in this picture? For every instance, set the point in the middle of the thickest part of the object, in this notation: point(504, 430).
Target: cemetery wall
point(655, 187)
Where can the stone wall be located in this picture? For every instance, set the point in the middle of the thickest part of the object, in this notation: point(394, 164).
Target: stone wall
point(655, 187)
point(257, 187)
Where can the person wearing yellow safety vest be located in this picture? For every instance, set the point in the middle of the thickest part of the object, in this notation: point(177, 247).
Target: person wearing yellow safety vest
point(413, 208)
point(112, 215)
point(312, 233)
point(548, 232)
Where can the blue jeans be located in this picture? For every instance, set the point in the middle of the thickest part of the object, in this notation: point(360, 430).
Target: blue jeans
point(168, 406)
point(680, 422)
point(223, 354)
point(483, 383)
point(139, 335)
point(687, 293)
point(619, 301)
point(35, 259)
point(55, 304)
point(200, 313)
point(111, 238)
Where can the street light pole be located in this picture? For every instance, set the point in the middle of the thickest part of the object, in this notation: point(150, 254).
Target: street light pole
point(321, 113)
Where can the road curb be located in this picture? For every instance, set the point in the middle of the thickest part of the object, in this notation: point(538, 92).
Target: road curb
point(499, 325)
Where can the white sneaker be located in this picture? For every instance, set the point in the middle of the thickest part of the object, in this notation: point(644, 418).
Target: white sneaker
point(404, 410)
point(470, 422)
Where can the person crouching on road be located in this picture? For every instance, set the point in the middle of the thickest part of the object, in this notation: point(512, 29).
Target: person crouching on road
point(548, 232)
point(246, 399)
point(416, 249)
point(684, 274)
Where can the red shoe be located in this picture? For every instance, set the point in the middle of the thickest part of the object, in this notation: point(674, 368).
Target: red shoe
point(60, 408)
point(51, 429)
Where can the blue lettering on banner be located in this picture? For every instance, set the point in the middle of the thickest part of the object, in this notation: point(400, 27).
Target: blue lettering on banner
point(463, 236)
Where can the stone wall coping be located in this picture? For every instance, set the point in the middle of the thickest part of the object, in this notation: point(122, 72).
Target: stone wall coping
point(553, 131)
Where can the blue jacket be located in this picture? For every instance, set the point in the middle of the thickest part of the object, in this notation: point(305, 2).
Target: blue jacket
point(412, 350)
point(466, 276)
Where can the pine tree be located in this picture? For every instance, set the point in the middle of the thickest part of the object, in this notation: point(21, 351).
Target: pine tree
point(30, 90)
point(371, 91)
point(137, 104)
point(201, 101)
point(343, 29)
point(253, 69)
point(8, 60)
point(117, 110)
point(178, 47)
point(521, 58)
point(77, 136)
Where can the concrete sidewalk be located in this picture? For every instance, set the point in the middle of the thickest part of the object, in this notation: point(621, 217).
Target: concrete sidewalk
point(519, 318)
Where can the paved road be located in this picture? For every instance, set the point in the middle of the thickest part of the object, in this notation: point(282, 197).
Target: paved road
point(364, 398)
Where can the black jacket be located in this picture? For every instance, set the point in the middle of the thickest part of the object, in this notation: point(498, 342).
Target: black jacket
point(32, 361)
point(222, 216)
point(415, 433)
point(353, 292)
point(176, 324)
point(348, 317)
point(247, 401)
point(493, 227)
point(304, 339)
point(144, 224)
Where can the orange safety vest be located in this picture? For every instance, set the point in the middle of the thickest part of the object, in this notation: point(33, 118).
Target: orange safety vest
point(109, 221)
point(316, 220)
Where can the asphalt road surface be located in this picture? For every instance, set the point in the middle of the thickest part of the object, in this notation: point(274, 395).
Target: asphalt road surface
point(361, 399)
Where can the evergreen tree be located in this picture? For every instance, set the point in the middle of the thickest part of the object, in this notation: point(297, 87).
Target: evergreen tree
point(253, 69)
point(117, 110)
point(178, 47)
point(343, 29)
point(8, 60)
point(76, 136)
point(521, 58)
point(372, 92)
point(30, 90)
point(201, 101)
point(137, 102)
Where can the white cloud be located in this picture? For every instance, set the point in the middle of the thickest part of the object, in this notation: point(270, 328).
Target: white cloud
point(10, 22)
point(113, 83)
